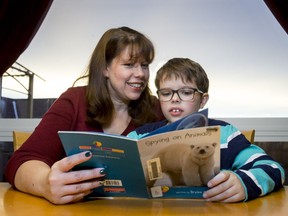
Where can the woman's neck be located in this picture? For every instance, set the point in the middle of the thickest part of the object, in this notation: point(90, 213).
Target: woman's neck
point(120, 121)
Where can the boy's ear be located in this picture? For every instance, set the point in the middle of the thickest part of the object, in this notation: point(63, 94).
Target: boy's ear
point(204, 100)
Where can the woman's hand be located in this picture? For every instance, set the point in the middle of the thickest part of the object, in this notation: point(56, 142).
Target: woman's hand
point(58, 184)
point(225, 187)
point(65, 187)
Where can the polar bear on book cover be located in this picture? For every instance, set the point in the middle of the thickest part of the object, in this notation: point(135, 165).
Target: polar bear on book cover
point(189, 165)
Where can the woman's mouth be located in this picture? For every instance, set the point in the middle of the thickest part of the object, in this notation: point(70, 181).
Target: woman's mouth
point(136, 85)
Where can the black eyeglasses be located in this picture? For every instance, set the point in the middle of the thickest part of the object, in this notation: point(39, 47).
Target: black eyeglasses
point(185, 94)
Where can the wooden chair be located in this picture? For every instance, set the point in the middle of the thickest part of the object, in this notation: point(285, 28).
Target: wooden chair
point(249, 134)
point(19, 137)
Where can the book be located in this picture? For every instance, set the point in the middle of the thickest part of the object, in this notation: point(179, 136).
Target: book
point(166, 163)
point(197, 119)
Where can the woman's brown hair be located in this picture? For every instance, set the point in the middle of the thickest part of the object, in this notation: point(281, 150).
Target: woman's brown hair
point(100, 108)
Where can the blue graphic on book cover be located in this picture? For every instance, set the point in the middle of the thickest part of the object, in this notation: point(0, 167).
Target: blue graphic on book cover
point(119, 157)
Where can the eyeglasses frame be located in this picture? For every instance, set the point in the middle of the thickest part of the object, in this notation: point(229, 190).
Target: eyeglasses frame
point(177, 90)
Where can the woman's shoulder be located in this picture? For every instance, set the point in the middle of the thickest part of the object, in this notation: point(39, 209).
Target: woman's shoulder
point(72, 93)
point(76, 90)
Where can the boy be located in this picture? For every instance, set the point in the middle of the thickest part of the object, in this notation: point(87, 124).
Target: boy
point(247, 171)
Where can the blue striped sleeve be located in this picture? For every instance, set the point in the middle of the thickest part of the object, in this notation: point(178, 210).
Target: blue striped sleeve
point(257, 171)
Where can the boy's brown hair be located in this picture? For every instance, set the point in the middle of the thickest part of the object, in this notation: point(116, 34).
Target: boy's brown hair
point(185, 69)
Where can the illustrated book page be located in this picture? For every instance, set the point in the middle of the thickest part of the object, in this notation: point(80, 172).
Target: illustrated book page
point(179, 164)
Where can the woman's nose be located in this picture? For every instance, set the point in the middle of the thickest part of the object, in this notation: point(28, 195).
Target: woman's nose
point(138, 71)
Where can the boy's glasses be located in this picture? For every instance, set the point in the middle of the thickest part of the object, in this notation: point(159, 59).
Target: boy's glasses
point(185, 94)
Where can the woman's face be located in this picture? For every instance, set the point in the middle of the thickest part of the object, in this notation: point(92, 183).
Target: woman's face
point(126, 79)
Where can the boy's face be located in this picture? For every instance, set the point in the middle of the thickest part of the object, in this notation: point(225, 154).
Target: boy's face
point(176, 109)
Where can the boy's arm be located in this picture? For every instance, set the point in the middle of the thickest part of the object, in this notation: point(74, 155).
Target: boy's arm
point(258, 172)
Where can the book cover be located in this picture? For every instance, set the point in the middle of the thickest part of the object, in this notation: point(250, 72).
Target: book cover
point(172, 164)
point(119, 155)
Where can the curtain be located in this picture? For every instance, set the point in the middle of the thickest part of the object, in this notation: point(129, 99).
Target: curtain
point(19, 22)
point(279, 9)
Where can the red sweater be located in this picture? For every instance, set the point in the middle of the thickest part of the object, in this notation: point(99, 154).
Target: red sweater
point(67, 113)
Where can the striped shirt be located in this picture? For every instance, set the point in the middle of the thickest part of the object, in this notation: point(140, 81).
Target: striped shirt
point(257, 171)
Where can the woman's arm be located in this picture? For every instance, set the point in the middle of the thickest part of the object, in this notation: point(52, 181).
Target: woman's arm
point(57, 184)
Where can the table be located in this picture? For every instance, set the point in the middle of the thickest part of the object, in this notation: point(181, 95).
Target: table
point(16, 203)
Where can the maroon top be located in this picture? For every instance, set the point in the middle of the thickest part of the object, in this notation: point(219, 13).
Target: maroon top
point(68, 113)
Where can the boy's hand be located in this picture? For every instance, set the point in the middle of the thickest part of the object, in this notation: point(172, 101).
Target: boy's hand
point(225, 187)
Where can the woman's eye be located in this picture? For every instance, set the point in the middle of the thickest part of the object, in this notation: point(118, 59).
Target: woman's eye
point(166, 93)
point(145, 66)
point(129, 65)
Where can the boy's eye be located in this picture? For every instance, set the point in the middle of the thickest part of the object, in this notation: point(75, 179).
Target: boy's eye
point(166, 93)
point(186, 91)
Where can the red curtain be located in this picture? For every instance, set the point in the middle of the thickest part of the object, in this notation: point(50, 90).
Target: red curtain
point(19, 22)
point(279, 8)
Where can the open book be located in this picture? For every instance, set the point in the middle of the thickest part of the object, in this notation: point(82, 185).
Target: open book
point(171, 163)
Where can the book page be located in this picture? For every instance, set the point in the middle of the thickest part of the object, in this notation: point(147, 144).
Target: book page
point(180, 163)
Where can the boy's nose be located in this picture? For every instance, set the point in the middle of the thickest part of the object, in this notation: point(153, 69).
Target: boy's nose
point(175, 97)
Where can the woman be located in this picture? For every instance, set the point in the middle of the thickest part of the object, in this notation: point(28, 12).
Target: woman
point(116, 100)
